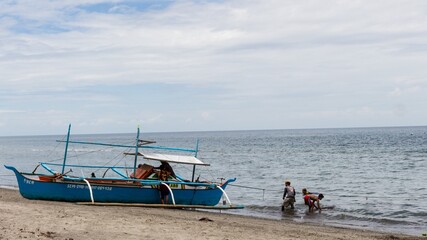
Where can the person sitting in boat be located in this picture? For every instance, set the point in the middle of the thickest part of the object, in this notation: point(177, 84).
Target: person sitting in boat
point(311, 200)
point(166, 167)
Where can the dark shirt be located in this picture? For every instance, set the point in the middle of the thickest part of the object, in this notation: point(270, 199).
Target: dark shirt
point(166, 167)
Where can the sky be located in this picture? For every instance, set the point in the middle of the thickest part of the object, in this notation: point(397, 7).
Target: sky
point(166, 66)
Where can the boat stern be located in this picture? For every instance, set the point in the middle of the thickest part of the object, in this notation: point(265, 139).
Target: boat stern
point(224, 185)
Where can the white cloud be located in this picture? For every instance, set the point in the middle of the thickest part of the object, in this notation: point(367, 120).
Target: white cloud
point(260, 57)
point(205, 115)
point(396, 92)
point(4, 111)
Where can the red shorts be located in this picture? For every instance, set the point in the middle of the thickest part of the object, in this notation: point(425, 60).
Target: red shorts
point(308, 201)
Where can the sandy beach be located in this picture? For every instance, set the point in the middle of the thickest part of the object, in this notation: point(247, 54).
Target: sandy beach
point(21, 218)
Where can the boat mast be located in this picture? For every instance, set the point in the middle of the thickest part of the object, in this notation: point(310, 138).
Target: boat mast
point(66, 148)
point(195, 155)
point(136, 152)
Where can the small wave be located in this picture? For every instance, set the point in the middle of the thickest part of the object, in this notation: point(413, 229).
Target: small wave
point(420, 214)
point(403, 217)
point(400, 214)
point(9, 187)
point(260, 208)
point(380, 220)
point(417, 151)
point(332, 213)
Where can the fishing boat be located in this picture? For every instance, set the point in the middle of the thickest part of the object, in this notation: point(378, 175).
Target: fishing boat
point(143, 186)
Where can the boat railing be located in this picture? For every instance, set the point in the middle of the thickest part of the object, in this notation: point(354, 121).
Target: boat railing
point(124, 177)
point(113, 168)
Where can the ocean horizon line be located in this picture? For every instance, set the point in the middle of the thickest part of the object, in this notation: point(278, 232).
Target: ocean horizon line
point(207, 131)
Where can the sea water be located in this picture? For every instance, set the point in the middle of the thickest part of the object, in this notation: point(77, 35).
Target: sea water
point(372, 178)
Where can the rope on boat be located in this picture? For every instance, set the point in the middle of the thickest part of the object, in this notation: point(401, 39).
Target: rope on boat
point(225, 194)
point(52, 151)
point(170, 190)
point(90, 190)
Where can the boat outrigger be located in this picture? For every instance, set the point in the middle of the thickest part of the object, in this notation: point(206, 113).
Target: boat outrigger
point(142, 187)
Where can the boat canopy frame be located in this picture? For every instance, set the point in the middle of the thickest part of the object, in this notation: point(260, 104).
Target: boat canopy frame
point(139, 143)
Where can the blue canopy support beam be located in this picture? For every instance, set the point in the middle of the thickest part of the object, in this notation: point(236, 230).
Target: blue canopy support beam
point(129, 146)
point(83, 166)
point(117, 171)
point(48, 168)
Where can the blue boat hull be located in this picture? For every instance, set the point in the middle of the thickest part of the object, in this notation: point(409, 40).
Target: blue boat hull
point(78, 191)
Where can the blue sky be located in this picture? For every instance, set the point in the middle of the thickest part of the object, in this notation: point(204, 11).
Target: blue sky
point(108, 66)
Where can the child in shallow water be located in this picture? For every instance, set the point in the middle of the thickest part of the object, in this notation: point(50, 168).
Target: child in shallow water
point(311, 200)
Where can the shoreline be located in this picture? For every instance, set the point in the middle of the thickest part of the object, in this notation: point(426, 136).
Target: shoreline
point(22, 218)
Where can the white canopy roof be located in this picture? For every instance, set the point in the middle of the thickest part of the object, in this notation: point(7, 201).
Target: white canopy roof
point(174, 158)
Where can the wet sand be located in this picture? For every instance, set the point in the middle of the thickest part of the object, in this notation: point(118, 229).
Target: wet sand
point(21, 218)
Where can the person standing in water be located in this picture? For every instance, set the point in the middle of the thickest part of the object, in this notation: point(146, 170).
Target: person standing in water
point(288, 196)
